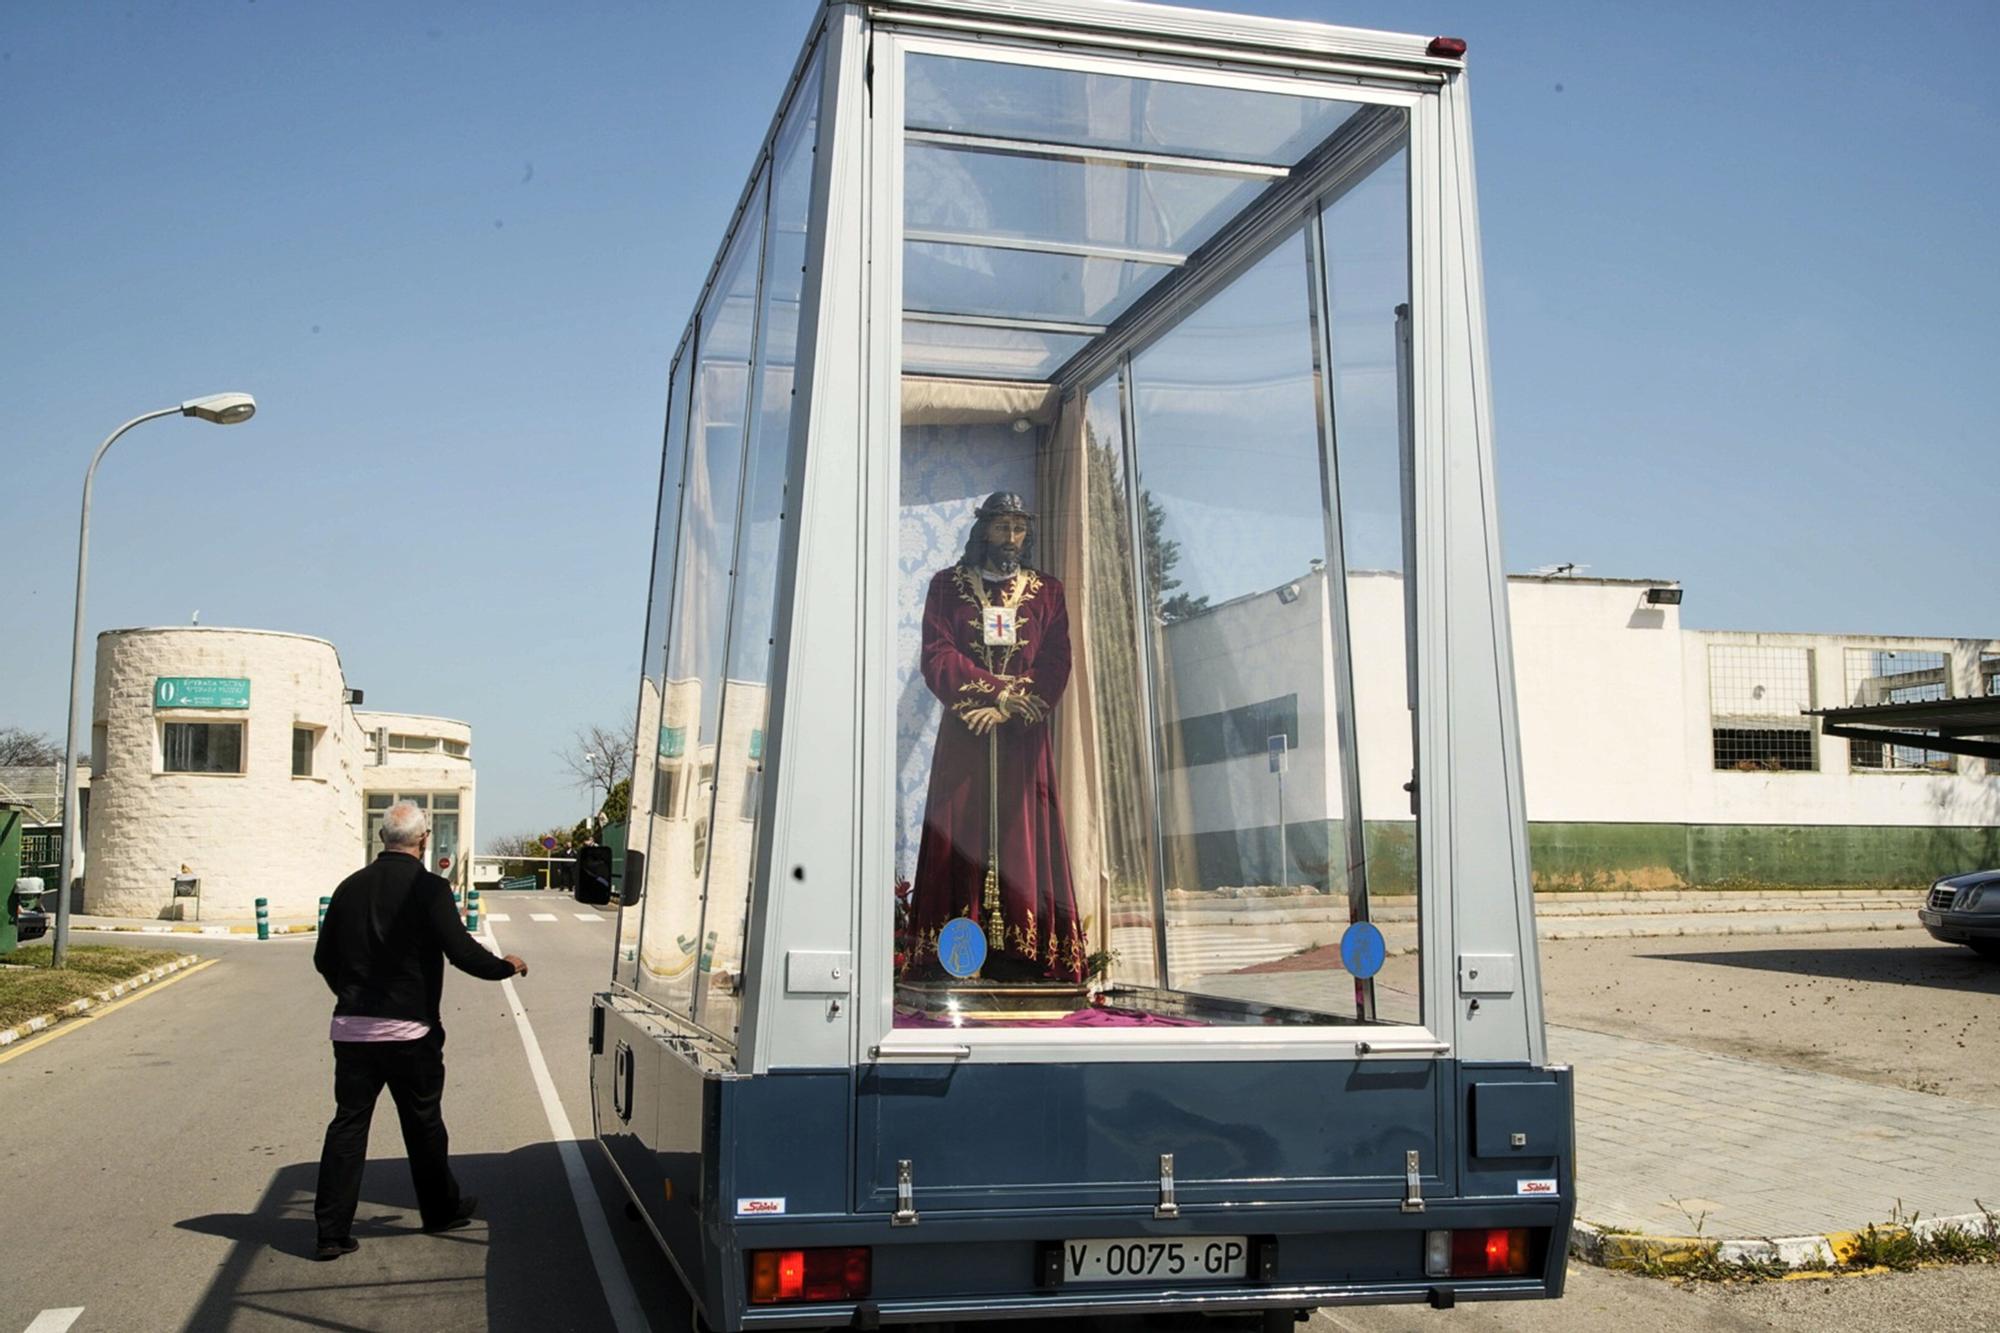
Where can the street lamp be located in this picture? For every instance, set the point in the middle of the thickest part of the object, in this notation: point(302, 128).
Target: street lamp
point(224, 409)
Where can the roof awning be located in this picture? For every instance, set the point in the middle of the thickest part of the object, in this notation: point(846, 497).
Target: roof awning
point(1952, 726)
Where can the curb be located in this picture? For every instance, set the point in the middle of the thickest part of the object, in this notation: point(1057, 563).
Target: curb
point(1755, 928)
point(1607, 1248)
point(200, 930)
point(42, 1022)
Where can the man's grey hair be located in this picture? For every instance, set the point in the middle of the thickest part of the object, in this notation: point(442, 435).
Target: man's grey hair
point(404, 825)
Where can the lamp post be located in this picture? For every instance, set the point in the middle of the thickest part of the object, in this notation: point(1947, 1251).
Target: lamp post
point(223, 409)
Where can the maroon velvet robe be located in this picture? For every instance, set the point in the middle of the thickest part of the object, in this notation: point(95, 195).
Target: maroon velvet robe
point(1037, 896)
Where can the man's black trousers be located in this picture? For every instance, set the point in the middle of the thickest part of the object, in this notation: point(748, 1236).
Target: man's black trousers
point(414, 1074)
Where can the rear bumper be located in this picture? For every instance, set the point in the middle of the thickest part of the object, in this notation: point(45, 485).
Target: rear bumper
point(986, 1268)
point(1163, 1301)
point(1960, 927)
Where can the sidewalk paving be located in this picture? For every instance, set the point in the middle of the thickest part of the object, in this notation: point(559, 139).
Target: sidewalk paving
point(153, 926)
point(1678, 1142)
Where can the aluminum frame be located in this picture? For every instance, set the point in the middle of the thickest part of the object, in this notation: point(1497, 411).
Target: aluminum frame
point(878, 1039)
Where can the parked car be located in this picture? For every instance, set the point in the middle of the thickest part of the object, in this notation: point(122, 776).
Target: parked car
point(1965, 909)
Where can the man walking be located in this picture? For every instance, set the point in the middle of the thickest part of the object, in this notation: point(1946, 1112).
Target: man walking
point(388, 932)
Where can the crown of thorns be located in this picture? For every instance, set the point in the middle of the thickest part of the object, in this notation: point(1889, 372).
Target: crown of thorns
point(1004, 503)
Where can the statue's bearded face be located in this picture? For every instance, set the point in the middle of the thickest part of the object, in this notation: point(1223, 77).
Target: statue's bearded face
point(1006, 537)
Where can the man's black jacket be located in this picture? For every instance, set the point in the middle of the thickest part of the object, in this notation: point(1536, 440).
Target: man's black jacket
point(388, 932)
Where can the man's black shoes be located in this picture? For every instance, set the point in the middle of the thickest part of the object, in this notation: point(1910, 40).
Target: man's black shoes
point(467, 1206)
point(333, 1249)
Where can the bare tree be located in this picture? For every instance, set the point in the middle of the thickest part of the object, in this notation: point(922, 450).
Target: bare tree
point(600, 757)
point(21, 748)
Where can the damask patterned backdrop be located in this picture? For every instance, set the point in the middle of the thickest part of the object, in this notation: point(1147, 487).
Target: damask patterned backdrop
point(947, 471)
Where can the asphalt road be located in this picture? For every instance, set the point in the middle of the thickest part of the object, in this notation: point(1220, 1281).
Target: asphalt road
point(158, 1162)
point(1895, 1008)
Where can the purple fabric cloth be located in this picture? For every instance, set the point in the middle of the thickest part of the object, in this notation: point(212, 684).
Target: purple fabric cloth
point(355, 1027)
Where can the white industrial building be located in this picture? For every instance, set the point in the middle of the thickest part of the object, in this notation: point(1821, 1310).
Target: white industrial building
point(238, 759)
point(1654, 756)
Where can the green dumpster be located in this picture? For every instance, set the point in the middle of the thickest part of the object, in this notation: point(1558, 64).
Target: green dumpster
point(10, 870)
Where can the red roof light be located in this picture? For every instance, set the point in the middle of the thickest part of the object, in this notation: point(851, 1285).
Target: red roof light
point(1451, 48)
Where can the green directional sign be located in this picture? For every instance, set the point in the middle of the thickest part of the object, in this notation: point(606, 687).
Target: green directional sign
point(201, 692)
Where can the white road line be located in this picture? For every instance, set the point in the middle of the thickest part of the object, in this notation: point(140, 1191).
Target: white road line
point(498, 916)
point(626, 1315)
point(542, 916)
point(586, 916)
point(54, 1321)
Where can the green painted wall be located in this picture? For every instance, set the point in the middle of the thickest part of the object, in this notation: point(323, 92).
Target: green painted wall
point(10, 869)
point(1582, 856)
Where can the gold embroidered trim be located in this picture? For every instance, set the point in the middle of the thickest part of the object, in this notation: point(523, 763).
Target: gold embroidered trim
point(1019, 590)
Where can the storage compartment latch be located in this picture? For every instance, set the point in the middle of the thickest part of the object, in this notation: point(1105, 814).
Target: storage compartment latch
point(1413, 1185)
point(1167, 1207)
point(906, 1196)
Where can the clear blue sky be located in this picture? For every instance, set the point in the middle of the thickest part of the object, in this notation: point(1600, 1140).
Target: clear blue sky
point(1741, 287)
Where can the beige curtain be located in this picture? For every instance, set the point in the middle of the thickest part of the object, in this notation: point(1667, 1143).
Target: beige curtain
point(1100, 734)
point(934, 401)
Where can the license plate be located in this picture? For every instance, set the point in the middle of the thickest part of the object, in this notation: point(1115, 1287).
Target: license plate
point(1151, 1259)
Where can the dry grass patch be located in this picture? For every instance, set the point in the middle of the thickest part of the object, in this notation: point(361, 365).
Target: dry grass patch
point(30, 987)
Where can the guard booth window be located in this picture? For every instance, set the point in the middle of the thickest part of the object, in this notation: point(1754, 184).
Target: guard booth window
point(201, 747)
point(1154, 713)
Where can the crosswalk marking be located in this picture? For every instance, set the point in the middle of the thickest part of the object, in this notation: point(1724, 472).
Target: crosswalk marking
point(542, 916)
point(54, 1321)
point(587, 916)
point(498, 916)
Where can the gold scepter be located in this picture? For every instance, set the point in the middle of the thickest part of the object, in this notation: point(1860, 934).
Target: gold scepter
point(996, 928)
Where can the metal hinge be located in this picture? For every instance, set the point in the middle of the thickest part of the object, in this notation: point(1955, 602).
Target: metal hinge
point(1413, 1186)
point(906, 1196)
point(1167, 1207)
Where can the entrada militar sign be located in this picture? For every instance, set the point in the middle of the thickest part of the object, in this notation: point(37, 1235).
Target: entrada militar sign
point(201, 692)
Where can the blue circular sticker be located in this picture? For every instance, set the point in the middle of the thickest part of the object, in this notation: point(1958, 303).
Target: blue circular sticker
point(1362, 950)
point(962, 947)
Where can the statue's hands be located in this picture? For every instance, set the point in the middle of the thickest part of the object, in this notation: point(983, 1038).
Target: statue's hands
point(983, 720)
point(1025, 706)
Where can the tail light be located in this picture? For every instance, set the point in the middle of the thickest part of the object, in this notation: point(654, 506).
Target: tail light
point(1485, 1252)
point(778, 1276)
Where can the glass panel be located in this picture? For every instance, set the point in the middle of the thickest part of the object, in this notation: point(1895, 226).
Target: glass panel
point(444, 847)
point(1023, 284)
point(302, 752)
point(1118, 828)
point(1113, 111)
point(202, 747)
point(657, 763)
point(969, 350)
point(1078, 203)
point(739, 756)
point(371, 840)
point(692, 688)
point(1366, 252)
point(380, 800)
point(1127, 764)
point(1252, 795)
point(445, 801)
